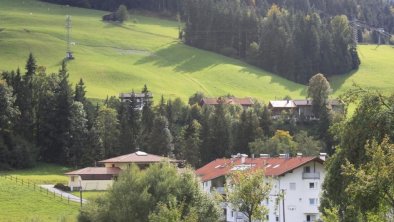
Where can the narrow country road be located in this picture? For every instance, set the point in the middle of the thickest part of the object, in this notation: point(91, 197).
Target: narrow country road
point(64, 194)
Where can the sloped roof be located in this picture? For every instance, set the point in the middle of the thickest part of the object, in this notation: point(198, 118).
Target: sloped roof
point(247, 101)
point(302, 102)
point(282, 104)
point(136, 95)
point(138, 157)
point(299, 102)
point(96, 171)
point(272, 166)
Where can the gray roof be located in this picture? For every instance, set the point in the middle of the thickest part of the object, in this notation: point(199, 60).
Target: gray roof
point(136, 95)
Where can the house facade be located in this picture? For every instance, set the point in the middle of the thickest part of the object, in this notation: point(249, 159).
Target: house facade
point(244, 102)
point(298, 179)
point(300, 108)
point(102, 178)
point(139, 98)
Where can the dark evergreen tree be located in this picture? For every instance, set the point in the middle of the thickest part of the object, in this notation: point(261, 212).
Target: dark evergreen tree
point(62, 111)
point(219, 133)
point(160, 138)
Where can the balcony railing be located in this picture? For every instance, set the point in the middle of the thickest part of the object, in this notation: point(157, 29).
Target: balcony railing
point(315, 175)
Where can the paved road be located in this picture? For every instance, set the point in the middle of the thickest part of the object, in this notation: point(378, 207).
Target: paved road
point(64, 194)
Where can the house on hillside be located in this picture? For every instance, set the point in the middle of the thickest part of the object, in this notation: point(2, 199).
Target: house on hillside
point(101, 178)
point(278, 106)
point(140, 99)
point(298, 178)
point(301, 108)
point(244, 102)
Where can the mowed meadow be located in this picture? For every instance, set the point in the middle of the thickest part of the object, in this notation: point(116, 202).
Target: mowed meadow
point(22, 202)
point(114, 58)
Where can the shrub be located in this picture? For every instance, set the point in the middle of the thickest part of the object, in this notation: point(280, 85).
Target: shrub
point(62, 187)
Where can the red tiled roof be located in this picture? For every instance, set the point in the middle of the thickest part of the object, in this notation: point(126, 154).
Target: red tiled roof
point(230, 100)
point(138, 157)
point(272, 166)
point(96, 171)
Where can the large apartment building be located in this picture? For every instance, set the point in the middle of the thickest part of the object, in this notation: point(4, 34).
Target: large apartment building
point(298, 179)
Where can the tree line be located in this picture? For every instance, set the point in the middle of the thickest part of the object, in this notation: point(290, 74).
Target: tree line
point(44, 118)
point(291, 43)
point(163, 6)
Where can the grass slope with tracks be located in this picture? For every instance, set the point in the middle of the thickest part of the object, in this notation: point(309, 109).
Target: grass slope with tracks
point(114, 58)
point(23, 203)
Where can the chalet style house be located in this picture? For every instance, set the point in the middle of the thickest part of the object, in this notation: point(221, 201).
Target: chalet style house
point(139, 98)
point(300, 108)
point(244, 102)
point(299, 179)
point(101, 178)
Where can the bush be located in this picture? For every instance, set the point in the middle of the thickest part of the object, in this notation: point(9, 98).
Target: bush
point(62, 187)
point(122, 14)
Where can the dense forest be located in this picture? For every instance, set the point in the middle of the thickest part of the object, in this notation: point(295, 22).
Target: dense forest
point(44, 118)
point(295, 39)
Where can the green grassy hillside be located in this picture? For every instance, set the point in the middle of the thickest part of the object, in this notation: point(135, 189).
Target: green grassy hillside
point(21, 203)
point(114, 58)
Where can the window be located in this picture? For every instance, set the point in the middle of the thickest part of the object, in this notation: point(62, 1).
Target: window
point(277, 218)
point(310, 218)
point(307, 169)
point(113, 165)
point(313, 185)
point(267, 217)
point(313, 201)
point(292, 186)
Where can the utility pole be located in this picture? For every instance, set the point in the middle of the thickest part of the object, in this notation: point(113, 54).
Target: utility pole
point(69, 54)
point(283, 205)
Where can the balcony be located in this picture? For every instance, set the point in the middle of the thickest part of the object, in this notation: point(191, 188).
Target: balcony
point(314, 175)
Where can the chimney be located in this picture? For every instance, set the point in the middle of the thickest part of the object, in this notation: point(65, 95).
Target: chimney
point(243, 158)
point(323, 156)
point(264, 155)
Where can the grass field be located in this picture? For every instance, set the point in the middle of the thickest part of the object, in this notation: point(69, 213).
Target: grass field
point(114, 58)
point(89, 195)
point(43, 173)
point(21, 203)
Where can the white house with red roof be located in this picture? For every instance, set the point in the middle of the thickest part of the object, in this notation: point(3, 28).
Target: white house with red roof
point(101, 178)
point(298, 178)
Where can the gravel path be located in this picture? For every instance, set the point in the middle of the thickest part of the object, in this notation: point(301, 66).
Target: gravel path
point(64, 194)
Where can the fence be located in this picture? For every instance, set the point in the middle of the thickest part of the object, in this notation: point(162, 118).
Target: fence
point(38, 188)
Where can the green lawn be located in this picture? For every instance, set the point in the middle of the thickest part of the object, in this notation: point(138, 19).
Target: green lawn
point(43, 173)
point(22, 203)
point(114, 58)
point(89, 195)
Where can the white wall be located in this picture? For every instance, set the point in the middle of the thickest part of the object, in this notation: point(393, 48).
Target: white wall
point(89, 184)
point(296, 201)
